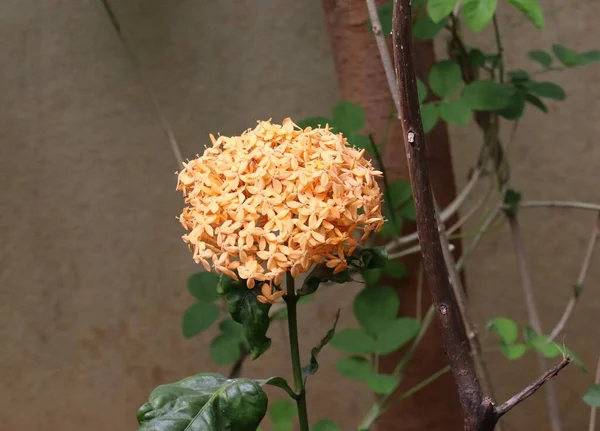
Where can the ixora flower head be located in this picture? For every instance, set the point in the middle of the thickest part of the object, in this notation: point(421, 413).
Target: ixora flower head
point(278, 198)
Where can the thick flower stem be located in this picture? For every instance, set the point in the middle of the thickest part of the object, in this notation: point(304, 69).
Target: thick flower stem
point(292, 300)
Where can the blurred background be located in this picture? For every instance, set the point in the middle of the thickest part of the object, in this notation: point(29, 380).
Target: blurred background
point(92, 267)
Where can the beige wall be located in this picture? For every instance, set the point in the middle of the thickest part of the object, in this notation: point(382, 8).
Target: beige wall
point(92, 270)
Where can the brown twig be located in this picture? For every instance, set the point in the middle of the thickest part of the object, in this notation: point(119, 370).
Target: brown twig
point(560, 204)
point(589, 253)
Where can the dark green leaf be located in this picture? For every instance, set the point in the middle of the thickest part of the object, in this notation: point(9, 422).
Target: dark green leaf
point(589, 57)
point(535, 101)
point(246, 309)
point(516, 108)
point(512, 199)
point(390, 229)
point(203, 286)
point(395, 269)
point(429, 115)
point(382, 384)
point(361, 142)
point(376, 307)
point(322, 274)
point(353, 341)
point(325, 425)
point(549, 90)
point(371, 276)
point(425, 28)
point(313, 365)
point(354, 367)
point(518, 76)
point(278, 382)
point(531, 9)
point(282, 410)
point(198, 318)
point(385, 17)
point(476, 58)
point(592, 396)
point(399, 192)
point(487, 95)
point(225, 349)
point(440, 9)
point(455, 112)
point(408, 211)
point(231, 327)
point(314, 122)
point(541, 57)
point(445, 78)
point(566, 56)
point(577, 288)
point(478, 13)
point(506, 329)
point(348, 117)
point(421, 90)
point(396, 334)
point(206, 402)
point(513, 351)
point(373, 257)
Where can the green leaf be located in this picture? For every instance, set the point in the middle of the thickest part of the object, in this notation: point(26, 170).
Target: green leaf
point(278, 382)
point(537, 102)
point(321, 274)
point(396, 334)
point(589, 57)
point(478, 13)
point(512, 199)
point(549, 90)
point(531, 9)
point(282, 410)
point(440, 9)
point(455, 112)
point(445, 78)
point(569, 354)
point(371, 276)
point(385, 12)
point(314, 122)
point(400, 192)
point(516, 108)
point(353, 341)
point(376, 307)
point(540, 343)
point(476, 58)
point(198, 318)
point(246, 309)
point(348, 117)
point(361, 142)
point(225, 349)
point(541, 57)
point(425, 28)
point(395, 269)
point(506, 329)
point(373, 257)
point(313, 365)
point(408, 211)
point(325, 425)
point(231, 327)
point(390, 229)
point(203, 286)
point(429, 115)
point(577, 288)
point(518, 76)
point(592, 396)
point(421, 90)
point(207, 402)
point(566, 56)
point(354, 367)
point(513, 351)
point(486, 95)
point(382, 384)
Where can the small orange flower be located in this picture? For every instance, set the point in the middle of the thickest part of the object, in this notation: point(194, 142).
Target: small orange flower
point(278, 198)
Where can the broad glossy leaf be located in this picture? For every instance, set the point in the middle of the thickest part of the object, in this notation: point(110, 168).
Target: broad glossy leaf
point(531, 9)
point(246, 309)
point(354, 341)
point(325, 425)
point(440, 9)
point(354, 367)
point(487, 95)
point(314, 122)
point(425, 28)
point(513, 351)
point(198, 318)
point(203, 286)
point(382, 384)
point(396, 334)
point(592, 396)
point(204, 402)
point(549, 90)
point(373, 257)
point(376, 307)
point(478, 13)
point(506, 329)
point(455, 112)
point(541, 57)
point(429, 116)
point(348, 117)
point(313, 365)
point(445, 78)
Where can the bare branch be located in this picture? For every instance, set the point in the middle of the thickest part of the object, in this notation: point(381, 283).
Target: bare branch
point(560, 204)
point(531, 389)
point(580, 280)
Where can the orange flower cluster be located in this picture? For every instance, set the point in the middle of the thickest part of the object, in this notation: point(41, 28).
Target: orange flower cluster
point(275, 199)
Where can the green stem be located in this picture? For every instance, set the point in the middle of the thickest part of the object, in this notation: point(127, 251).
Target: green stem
point(291, 301)
point(370, 418)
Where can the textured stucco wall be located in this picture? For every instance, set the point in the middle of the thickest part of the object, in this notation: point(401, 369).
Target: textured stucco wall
point(92, 271)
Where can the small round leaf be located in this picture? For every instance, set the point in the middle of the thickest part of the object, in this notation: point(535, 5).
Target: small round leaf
point(354, 367)
point(445, 78)
point(198, 318)
point(382, 384)
point(376, 307)
point(354, 341)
